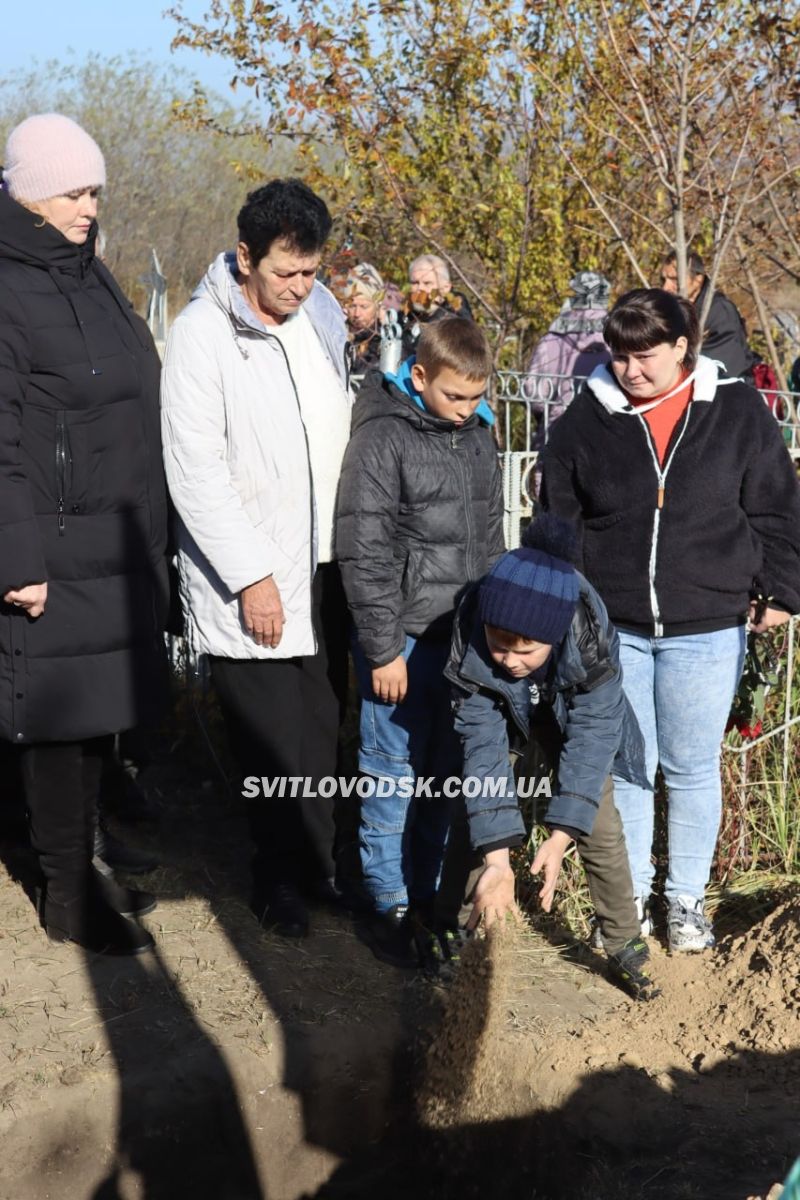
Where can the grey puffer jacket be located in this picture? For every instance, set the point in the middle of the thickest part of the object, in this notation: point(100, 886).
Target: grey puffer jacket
point(493, 714)
point(420, 514)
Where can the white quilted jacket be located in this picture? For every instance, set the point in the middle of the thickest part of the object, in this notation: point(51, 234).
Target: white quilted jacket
point(237, 465)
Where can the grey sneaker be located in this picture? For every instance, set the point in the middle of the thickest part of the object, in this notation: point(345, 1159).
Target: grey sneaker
point(645, 914)
point(688, 928)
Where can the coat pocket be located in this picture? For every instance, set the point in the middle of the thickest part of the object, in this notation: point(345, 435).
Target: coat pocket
point(63, 469)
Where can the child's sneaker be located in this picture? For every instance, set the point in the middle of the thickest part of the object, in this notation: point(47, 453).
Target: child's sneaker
point(630, 967)
point(645, 914)
point(688, 928)
point(595, 938)
point(390, 936)
point(440, 948)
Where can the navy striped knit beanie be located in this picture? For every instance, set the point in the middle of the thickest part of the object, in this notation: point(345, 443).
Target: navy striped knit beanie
point(533, 591)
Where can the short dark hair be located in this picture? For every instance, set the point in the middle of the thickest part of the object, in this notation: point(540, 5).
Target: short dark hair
point(457, 343)
point(646, 317)
point(283, 208)
point(693, 261)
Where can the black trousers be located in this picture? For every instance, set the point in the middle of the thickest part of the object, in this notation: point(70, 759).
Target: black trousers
point(62, 783)
point(283, 718)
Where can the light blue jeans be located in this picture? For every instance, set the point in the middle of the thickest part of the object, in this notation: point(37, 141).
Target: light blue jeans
point(681, 689)
point(403, 837)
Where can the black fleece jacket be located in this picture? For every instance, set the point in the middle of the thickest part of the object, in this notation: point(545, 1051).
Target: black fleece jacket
point(729, 524)
point(420, 514)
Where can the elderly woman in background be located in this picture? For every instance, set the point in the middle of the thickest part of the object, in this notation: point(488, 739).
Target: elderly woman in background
point(364, 291)
point(83, 533)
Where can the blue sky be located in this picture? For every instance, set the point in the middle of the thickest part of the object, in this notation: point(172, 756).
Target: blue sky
point(46, 29)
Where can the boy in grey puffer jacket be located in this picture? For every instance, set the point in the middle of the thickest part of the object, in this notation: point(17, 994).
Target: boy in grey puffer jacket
point(419, 517)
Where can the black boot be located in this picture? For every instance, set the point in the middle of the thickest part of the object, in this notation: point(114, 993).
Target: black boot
point(109, 852)
point(94, 926)
point(280, 907)
point(128, 902)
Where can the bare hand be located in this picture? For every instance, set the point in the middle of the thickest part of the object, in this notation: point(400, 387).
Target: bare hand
point(390, 683)
point(493, 897)
point(262, 612)
point(548, 860)
point(770, 618)
point(32, 598)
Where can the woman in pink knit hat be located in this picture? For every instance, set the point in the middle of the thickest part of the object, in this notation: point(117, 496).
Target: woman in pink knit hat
point(83, 532)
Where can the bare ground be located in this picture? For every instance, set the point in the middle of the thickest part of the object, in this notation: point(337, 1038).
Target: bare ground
point(232, 1065)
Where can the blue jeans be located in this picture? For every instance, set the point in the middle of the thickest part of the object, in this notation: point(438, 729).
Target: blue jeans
point(681, 689)
point(403, 838)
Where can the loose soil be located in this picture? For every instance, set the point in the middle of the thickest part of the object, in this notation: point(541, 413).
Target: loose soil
point(231, 1065)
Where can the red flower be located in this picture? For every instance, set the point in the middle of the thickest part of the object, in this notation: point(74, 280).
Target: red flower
point(749, 732)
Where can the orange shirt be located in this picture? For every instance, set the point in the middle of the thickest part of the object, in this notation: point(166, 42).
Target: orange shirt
point(664, 417)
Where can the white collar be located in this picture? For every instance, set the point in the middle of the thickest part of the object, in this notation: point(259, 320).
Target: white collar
point(605, 388)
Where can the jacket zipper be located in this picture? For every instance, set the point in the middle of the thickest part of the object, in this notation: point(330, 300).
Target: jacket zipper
point(61, 469)
point(661, 476)
point(310, 486)
point(462, 474)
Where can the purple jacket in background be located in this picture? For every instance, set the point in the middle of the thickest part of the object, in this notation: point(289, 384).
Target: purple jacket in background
point(573, 346)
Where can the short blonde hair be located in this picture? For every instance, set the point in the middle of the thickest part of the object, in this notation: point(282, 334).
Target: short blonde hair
point(457, 343)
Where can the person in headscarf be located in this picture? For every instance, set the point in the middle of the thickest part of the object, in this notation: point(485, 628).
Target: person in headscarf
point(364, 291)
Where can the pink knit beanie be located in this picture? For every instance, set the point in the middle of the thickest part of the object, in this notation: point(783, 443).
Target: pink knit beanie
point(50, 155)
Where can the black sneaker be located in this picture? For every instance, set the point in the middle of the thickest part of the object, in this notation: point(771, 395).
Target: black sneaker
point(279, 907)
point(630, 967)
point(391, 937)
point(439, 948)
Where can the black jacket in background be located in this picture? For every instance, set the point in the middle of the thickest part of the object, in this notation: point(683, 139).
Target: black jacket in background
point(82, 495)
point(419, 515)
point(725, 337)
point(730, 522)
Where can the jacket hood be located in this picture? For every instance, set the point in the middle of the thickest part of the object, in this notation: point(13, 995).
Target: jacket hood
point(219, 285)
point(604, 387)
point(404, 381)
point(379, 398)
point(24, 238)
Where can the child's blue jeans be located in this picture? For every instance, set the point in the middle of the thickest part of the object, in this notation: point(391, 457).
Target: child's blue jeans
point(403, 837)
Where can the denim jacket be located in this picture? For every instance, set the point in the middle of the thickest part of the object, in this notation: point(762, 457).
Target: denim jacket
point(492, 717)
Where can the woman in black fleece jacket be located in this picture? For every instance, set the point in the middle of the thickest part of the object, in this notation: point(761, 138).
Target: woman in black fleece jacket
point(690, 515)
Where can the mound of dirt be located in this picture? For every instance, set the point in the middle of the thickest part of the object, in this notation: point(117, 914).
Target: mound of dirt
point(693, 1094)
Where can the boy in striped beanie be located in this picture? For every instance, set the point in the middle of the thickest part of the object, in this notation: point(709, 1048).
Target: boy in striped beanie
point(534, 667)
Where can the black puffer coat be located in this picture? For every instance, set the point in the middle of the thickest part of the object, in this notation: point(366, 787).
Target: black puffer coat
point(420, 515)
point(82, 495)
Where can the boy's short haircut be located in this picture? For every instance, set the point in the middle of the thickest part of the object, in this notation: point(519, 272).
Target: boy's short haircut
point(457, 343)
